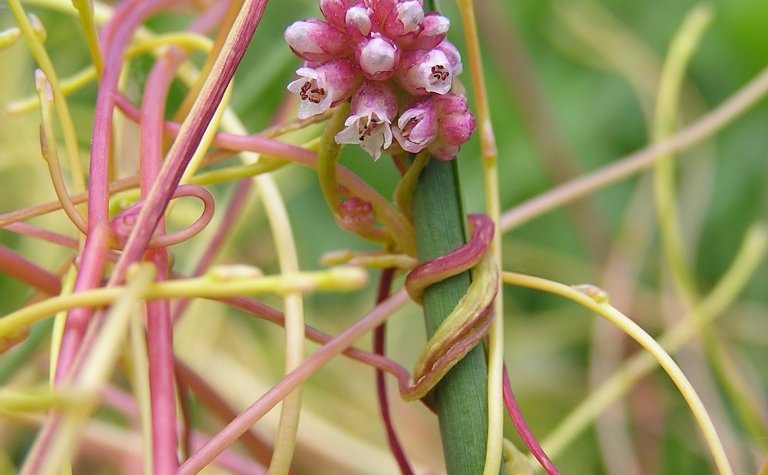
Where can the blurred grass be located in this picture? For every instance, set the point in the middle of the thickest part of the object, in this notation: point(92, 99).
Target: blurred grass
point(595, 112)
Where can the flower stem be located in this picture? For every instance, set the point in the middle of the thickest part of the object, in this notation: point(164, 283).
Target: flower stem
point(460, 397)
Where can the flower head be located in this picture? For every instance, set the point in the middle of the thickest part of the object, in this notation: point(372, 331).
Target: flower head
point(324, 86)
point(382, 53)
point(373, 108)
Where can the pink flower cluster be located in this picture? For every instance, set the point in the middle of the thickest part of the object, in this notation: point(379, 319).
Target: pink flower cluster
point(394, 62)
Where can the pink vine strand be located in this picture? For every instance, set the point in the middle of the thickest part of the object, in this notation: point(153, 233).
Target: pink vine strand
point(455, 262)
point(379, 348)
point(441, 355)
point(123, 224)
point(510, 402)
point(118, 33)
point(275, 148)
point(190, 136)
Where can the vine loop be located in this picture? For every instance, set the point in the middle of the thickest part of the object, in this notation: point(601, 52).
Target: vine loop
point(469, 321)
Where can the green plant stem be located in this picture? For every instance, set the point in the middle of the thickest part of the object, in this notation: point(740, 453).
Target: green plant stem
point(460, 397)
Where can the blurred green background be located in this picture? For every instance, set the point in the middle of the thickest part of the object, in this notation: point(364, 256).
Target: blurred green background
point(571, 85)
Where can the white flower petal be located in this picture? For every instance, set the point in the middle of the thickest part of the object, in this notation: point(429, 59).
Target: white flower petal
point(410, 15)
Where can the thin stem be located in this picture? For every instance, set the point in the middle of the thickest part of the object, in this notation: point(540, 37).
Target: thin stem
point(159, 326)
point(522, 428)
point(489, 155)
point(626, 166)
point(50, 150)
point(217, 283)
point(750, 254)
point(597, 301)
point(379, 348)
point(460, 397)
point(28, 272)
point(87, 23)
point(62, 109)
point(285, 441)
point(277, 392)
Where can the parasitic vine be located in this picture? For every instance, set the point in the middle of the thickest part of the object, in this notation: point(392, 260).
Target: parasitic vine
point(469, 321)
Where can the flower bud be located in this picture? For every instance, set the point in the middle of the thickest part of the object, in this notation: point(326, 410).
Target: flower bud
point(378, 58)
point(433, 29)
point(453, 55)
point(334, 11)
point(373, 108)
point(455, 125)
point(358, 21)
point(416, 126)
point(315, 40)
point(325, 86)
point(422, 72)
point(357, 215)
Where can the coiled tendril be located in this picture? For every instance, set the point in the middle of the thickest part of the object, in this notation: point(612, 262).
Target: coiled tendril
point(469, 321)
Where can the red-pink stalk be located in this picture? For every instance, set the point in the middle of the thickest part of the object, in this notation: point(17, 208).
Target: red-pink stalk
point(275, 148)
point(43, 234)
point(379, 348)
point(159, 323)
point(190, 136)
point(159, 327)
point(291, 381)
point(119, 30)
point(522, 428)
point(122, 225)
point(28, 272)
point(223, 229)
point(88, 277)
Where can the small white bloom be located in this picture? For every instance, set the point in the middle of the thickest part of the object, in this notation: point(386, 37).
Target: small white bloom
point(368, 130)
point(313, 91)
point(431, 74)
point(324, 86)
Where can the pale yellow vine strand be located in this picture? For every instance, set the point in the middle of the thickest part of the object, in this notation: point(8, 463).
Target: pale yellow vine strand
point(597, 301)
point(62, 109)
point(750, 255)
point(489, 155)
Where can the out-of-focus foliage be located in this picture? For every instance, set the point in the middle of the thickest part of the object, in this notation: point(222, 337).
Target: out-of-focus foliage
point(572, 84)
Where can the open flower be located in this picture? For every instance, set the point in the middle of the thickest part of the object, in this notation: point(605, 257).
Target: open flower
point(325, 86)
point(454, 57)
point(423, 72)
point(373, 108)
point(416, 126)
